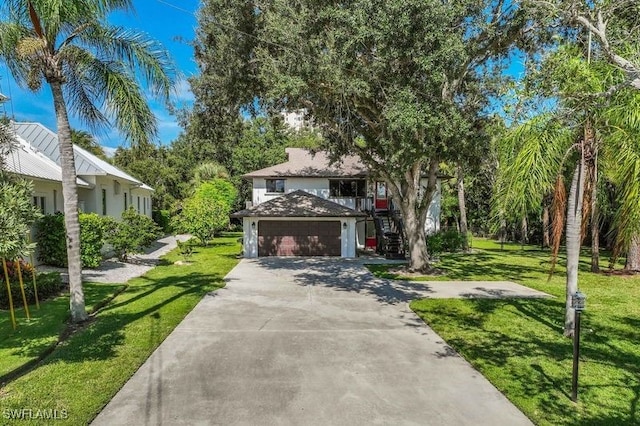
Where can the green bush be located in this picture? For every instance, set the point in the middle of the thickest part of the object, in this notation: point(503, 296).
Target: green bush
point(162, 218)
point(132, 234)
point(207, 212)
point(49, 284)
point(448, 240)
point(51, 239)
point(92, 229)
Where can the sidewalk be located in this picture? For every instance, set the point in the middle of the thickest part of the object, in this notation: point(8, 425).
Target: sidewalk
point(114, 271)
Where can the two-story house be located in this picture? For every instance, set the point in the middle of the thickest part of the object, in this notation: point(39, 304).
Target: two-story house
point(308, 206)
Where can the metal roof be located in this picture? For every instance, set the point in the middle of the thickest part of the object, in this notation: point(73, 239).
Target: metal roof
point(25, 161)
point(46, 141)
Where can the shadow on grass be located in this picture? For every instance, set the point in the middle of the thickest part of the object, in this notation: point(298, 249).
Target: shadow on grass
point(518, 344)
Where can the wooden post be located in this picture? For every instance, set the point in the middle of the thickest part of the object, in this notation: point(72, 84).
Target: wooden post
point(6, 277)
point(24, 296)
point(33, 275)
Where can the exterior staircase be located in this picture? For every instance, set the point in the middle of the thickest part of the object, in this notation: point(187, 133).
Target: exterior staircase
point(390, 235)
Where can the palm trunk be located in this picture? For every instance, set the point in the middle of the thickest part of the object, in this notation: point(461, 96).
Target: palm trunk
point(633, 255)
point(574, 222)
point(545, 227)
point(70, 195)
point(463, 209)
point(595, 238)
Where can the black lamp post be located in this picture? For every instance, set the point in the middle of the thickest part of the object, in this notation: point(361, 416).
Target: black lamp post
point(578, 304)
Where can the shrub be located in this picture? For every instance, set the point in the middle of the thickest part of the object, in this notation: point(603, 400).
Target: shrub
point(92, 229)
point(448, 240)
point(202, 218)
point(132, 234)
point(52, 245)
point(51, 239)
point(207, 212)
point(162, 218)
point(49, 284)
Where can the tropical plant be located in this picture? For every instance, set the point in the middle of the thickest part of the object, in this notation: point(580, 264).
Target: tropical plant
point(86, 63)
point(207, 212)
point(580, 141)
point(132, 234)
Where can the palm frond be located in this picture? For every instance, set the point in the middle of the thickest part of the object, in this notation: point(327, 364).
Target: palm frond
point(536, 150)
point(138, 51)
point(558, 212)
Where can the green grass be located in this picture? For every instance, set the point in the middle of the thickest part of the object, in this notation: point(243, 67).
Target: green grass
point(36, 336)
point(85, 371)
point(518, 344)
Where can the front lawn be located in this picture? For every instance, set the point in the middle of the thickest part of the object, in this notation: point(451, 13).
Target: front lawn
point(85, 371)
point(33, 338)
point(518, 345)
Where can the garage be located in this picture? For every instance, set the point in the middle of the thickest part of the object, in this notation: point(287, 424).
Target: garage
point(299, 238)
point(299, 224)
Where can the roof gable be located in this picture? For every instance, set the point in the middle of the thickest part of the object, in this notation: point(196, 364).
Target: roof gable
point(298, 204)
point(46, 142)
point(304, 163)
point(25, 161)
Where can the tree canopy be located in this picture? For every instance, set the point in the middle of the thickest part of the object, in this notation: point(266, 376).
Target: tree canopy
point(402, 93)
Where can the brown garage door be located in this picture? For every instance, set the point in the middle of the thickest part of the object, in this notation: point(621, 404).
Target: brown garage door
point(298, 238)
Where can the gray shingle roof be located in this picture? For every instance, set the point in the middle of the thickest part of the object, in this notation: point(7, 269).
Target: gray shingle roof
point(303, 163)
point(298, 204)
point(46, 141)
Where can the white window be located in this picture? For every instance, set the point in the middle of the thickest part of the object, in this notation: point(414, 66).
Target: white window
point(41, 203)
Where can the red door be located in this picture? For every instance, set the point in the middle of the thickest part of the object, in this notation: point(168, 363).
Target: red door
point(381, 202)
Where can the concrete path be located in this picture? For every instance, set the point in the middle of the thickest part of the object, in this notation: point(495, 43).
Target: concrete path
point(114, 271)
point(307, 342)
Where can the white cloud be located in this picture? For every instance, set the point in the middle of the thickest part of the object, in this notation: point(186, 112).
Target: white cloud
point(182, 92)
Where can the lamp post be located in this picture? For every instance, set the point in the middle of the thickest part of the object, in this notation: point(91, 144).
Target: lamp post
point(578, 304)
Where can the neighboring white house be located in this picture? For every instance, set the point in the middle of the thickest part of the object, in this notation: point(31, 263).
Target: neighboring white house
point(295, 120)
point(45, 174)
point(282, 221)
point(109, 192)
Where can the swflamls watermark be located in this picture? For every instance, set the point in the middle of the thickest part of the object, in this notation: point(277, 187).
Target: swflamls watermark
point(34, 414)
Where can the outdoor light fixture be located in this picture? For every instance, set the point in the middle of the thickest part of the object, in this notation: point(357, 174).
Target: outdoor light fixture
point(253, 226)
point(578, 300)
point(344, 225)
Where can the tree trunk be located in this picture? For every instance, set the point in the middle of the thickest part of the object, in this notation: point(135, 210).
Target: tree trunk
point(413, 202)
point(545, 227)
point(574, 222)
point(633, 255)
point(463, 209)
point(524, 229)
point(70, 196)
point(595, 238)
point(417, 241)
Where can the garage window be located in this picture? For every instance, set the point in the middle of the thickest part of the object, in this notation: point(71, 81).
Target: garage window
point(275, 185)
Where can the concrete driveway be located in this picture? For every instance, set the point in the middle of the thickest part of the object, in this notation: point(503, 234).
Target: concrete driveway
point(308, 342)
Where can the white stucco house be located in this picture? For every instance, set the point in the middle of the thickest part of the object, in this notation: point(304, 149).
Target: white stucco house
point(308, 206)
point(106, 190)
point(45, 174)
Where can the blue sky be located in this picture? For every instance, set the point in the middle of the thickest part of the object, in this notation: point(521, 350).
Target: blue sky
point(173, 27)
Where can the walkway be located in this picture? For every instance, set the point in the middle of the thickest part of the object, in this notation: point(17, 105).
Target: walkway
point(114, 271)
point(307, 342)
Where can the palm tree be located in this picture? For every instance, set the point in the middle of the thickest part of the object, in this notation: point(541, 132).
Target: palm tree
point(538, 154)
point(86, 63)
